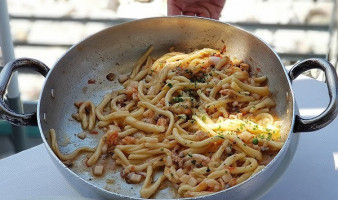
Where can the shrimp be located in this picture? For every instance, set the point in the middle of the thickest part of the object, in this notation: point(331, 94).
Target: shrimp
point(161, 103)
point(131, 93)
point(149, 116)
point(112, 135)
point(148, 120)
point(128, 140)
point(228, 92)
point(162, 122)
point(181, 108)
point(112, 138)
point(131, 90)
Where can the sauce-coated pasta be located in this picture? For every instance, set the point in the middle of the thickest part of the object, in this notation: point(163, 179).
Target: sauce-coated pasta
point(201, 119)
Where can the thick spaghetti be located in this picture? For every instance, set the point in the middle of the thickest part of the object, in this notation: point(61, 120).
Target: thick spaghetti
point(200, 119)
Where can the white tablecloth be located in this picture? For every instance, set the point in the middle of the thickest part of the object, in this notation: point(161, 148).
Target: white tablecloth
point(312, 175)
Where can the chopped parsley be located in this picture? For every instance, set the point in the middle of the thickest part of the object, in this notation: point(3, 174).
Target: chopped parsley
point(182, 116)
point(241, 126)
point(221, 136)
point(255, 141)
point(188, 71)
point(189, 154)
point(261, 136)
point(190, 93)
point(182, 105)
point(178, 99)
point(170, 85)
point(199, 77)
point(208, 169)
point(269, 136)
point(204, 118)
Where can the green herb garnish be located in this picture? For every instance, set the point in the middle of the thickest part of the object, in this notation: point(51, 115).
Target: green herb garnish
point(221, 136)
point(269, 136)
point(178, 99)
point(255, 141)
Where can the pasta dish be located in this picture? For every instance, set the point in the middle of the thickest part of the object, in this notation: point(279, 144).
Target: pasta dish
point(200, 119)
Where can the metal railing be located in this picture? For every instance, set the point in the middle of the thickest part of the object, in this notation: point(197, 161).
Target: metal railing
point(291, 56)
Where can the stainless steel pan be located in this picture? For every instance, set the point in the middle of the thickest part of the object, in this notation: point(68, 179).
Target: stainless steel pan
point(115, 49)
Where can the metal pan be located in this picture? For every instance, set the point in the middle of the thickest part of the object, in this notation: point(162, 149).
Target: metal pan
point(114, 50)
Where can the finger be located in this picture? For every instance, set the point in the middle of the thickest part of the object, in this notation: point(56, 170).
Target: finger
point(197, 10)
point(215, 15)
point(173, 9)
point(206, 15)
point(189, 13)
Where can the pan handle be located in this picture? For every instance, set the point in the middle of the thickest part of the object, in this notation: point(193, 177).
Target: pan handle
point(330, 113)
point(5, 75)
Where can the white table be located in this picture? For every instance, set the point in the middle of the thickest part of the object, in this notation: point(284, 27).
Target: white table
point(312, 175)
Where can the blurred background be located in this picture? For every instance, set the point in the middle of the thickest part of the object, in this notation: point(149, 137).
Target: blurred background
point(45, 29)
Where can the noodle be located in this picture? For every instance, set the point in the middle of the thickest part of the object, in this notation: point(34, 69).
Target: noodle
point(202, 123)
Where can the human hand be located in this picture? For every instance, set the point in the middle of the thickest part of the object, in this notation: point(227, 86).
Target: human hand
point(202, 8)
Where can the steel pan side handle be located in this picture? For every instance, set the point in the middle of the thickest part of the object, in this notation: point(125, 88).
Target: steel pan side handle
point(330, 113)
point(5, 76)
